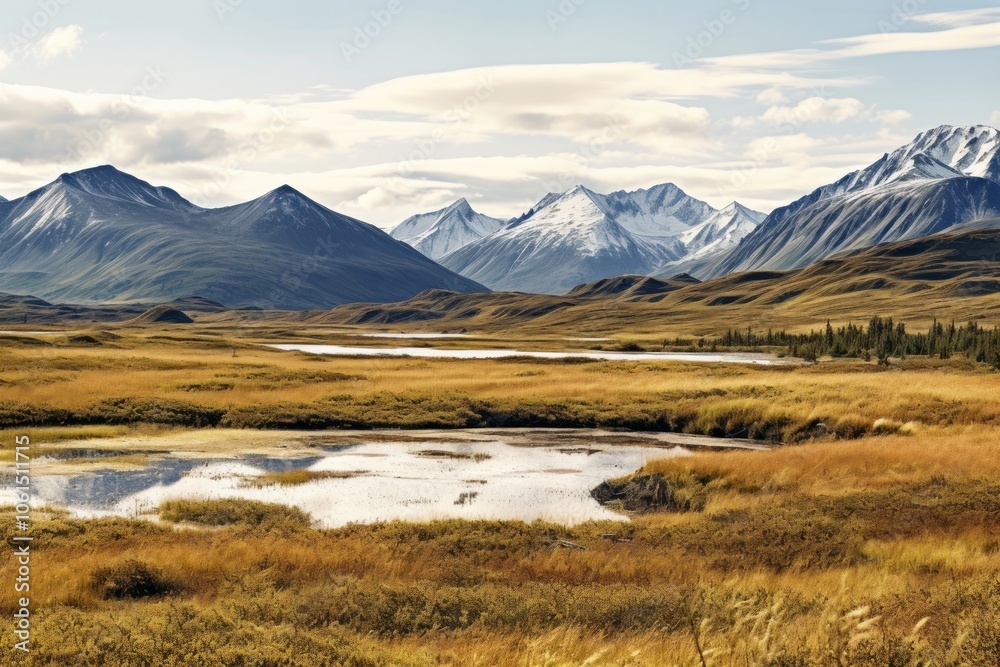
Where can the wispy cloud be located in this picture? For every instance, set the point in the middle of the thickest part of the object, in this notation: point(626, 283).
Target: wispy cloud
point(537, 129)
point(961, 18)
point(655, 107)
point(965, 30)
point(977, 36)
point(816, 110)
point(61, 42)
point(505, 133)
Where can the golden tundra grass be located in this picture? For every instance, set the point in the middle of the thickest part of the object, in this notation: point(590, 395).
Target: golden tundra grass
point(880, 551)
point(873, 544)
point(297, 477)
point(142, 379)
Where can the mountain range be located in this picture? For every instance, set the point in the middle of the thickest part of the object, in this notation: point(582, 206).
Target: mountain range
point(576, 236)
point(581, 236)
point(103, 236)
point(952, 275)
point(945, 177)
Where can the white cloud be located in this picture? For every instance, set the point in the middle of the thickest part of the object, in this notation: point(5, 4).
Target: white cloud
point(504, 135)
point(960, 18)
point(654, 107)
point(571, 85)
point(830, 111)
point(743, 122)
point(816, 110)
point(4, 59)
point(795, 150)
point(893, 116)
point(778, 147)
point(61, 42)
point(977, 36)
point(978, 29)
point(772, 97)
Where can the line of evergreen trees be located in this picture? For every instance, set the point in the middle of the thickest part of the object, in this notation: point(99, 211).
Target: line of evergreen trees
point(882, 339)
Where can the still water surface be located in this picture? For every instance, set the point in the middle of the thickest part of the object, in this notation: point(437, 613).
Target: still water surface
point(377, 482)
point(435, 353)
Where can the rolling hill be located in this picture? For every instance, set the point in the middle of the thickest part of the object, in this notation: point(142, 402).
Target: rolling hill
point(950, 275)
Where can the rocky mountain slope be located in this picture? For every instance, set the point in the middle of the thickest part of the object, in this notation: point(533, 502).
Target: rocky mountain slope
point(103, 236)
point(944, 178)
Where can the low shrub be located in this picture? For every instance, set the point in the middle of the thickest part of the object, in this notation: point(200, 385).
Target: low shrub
point(233, 511)
point(131, 580)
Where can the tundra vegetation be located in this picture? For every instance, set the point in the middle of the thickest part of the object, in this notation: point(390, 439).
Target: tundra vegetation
point(866, 536)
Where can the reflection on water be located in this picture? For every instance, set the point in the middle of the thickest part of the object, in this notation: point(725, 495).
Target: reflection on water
point(415, 336)
point(435, 353)
point(73, 454)
point(488, 480)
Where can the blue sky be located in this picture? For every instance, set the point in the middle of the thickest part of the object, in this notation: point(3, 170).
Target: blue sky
point(754, 100)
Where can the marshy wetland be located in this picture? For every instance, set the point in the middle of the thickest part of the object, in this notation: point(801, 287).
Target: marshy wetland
point(850, 519)
point(463, 475)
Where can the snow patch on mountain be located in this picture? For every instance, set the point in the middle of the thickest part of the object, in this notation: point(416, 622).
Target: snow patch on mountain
point(442, 232)
point(721, 231)
point(562, 242)
point(945, 177)
point(944, 152)
point(659, 214)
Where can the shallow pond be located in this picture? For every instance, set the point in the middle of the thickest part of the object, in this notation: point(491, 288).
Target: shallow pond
point(375, 482)
point(435, 353)
point(415, 336)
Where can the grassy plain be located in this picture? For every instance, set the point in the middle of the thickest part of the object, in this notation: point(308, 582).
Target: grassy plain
point(191, 379)
point(879, 551)
point(868, 538)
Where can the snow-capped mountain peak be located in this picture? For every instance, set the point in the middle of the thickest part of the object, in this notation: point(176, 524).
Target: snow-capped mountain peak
point(658, 214)
point(944, 152)
point(581, 189)
point(289, 201)
point(461, 206)
point(287, 191)
point(565, 240)
point(721, 231)
point(945, 177)
point(287, 217)
point(971, 149)
point(578, 212)
point(441, 232)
